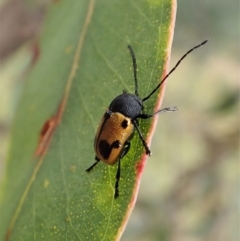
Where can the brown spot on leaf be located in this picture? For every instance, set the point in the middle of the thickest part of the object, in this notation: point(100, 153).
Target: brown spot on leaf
point(35, 53)
point(7, 237)
point(45, 136)
point(48, 129)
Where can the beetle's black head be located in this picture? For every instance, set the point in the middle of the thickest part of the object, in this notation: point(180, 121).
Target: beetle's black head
point(129, 105)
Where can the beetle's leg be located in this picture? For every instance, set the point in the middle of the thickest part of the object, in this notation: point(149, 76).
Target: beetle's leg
point(93, 165)
point(116, 194)
point(125, 150)
point(123, 153)
point(146, 116)
point(148, 152)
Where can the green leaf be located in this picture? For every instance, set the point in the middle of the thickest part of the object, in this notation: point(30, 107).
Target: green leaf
point(84, 63)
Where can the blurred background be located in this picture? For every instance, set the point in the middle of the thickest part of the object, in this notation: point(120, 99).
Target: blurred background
point(190, 187)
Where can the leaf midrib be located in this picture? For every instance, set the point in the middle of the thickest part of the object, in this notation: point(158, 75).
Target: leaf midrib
point(72, 73)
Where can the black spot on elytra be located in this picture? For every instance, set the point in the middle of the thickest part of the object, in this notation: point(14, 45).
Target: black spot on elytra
point(105, 149)
point(124, 124)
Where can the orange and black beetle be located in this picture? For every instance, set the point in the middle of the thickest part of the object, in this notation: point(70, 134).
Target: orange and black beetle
point(112, 140)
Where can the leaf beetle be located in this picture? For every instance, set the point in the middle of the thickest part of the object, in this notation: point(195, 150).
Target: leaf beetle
point(117, 126)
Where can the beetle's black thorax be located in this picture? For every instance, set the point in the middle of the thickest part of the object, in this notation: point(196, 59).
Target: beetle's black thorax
point(129, 105)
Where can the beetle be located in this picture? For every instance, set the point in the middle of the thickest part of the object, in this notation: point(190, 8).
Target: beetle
point(119, 122)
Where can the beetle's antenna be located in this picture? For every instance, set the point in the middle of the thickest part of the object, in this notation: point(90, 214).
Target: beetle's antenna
point(179, 61)
point(134, 69)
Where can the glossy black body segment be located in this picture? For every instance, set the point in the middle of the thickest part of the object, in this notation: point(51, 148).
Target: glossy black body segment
point(129, 105)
